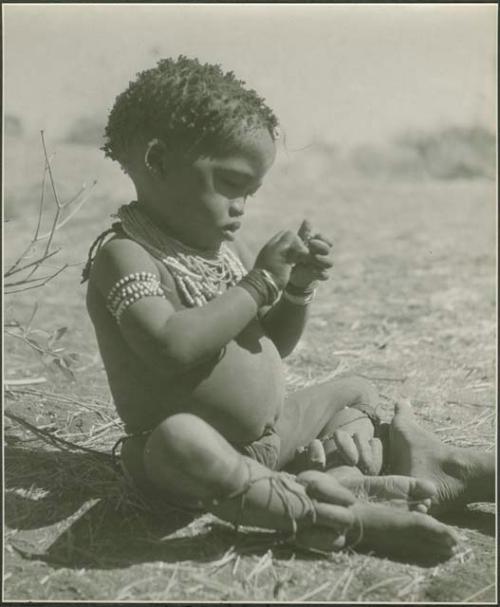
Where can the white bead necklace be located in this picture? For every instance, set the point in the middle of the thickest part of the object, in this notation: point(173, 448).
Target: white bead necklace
point(199, 275)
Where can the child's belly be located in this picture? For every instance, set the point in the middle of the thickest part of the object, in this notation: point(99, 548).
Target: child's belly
point(244, 391)
point(239, 393)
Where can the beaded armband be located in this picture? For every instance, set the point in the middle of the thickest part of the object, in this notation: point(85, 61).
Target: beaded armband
point(130, 289)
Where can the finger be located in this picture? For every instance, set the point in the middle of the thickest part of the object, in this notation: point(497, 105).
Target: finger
point(321, 261)
point(316, 453)
point(334, 517)
point(273, 241)
point(304, 231)
point(328, 489)
point(377, 456)
point(422, 489)
point(324, 275)
point(346, 447)
point(318, 246)
point(422, 506)
point(289, 238)
point(295, 250)
point(365, 463)
point(318, 236)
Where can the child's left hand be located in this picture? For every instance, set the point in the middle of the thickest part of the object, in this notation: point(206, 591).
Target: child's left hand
point(305, 273)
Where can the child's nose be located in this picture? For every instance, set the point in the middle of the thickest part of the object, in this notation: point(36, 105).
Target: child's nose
point(237, 207)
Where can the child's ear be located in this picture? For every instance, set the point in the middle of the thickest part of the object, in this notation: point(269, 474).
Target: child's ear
point(156, 157)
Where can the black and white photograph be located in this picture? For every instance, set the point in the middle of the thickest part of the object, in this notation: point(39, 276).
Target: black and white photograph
point(249, 303)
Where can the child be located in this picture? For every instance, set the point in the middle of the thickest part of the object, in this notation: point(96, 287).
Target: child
point(192, 331)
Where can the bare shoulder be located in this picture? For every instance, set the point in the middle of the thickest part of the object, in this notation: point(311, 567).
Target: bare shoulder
point(244, 252)
point(119, 257)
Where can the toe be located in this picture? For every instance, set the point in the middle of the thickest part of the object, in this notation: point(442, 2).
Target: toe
point(422, 489)
point(335, 517)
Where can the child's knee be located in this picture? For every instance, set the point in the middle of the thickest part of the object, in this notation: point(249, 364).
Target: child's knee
point(176, 442)
point(188, 455)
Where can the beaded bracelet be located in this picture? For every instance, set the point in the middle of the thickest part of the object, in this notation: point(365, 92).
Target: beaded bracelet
point(295, 290)
point(130, 289)
point(260, 284)
point(299, 296)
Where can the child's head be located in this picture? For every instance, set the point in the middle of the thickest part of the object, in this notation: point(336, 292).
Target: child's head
point(194, 109)
point(196, 144)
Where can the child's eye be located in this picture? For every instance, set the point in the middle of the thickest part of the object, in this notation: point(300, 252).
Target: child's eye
point(229, 183)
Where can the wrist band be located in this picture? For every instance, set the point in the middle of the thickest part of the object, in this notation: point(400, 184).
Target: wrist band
point(300, 296)
point(261, 285)
point(298, 300)
point(295, 290)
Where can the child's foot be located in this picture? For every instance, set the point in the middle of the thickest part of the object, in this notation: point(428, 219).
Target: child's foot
point(461, 476)
point(401, 491)
point(387, 532)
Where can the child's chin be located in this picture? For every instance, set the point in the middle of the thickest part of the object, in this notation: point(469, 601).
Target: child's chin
point(228, 235)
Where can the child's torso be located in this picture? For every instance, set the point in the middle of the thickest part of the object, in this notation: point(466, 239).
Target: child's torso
point(240, 392)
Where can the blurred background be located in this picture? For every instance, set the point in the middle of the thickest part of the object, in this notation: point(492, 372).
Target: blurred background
point(376, 91)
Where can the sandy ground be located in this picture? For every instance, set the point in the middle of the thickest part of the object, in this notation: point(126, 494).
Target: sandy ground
point(411, 305)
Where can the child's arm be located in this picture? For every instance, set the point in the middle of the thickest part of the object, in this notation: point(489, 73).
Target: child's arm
point(284, 323)
point(172, 340)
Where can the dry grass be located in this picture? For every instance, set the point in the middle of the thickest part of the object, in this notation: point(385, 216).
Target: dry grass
point(411, 305)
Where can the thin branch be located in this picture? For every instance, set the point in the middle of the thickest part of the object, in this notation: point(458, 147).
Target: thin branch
point(21, 264)
point(72, 214)
point(56, 197)
point(32, 263)
point(26, 381)
point(49, 168)
point(27, 280)
point(54, 440)
point(28, 341)
point(49, 278)
point(42, 200)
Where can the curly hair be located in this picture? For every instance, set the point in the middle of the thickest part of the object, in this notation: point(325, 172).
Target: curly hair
point(193, 105)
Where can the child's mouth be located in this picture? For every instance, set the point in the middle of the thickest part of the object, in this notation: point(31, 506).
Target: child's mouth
point(231, 228)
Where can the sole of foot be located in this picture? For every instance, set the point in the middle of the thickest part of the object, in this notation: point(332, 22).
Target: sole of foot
point(461, 476)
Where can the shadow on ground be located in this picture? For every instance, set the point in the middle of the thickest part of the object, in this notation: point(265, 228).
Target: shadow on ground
point(96, 520)
point(472, 518)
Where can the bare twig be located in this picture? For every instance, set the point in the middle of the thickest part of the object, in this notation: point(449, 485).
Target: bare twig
point(22, 263)
point(479, 592)
point(26, 381)
point(96, 408)
point(51, 439)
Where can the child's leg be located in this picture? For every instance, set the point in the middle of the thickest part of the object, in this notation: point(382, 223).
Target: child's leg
point(310, 413)
point(186, 457)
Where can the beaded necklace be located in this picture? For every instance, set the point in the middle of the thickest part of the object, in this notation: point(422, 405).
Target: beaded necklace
point(199, 275)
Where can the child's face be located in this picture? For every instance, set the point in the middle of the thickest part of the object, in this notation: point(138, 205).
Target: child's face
point(206, 198)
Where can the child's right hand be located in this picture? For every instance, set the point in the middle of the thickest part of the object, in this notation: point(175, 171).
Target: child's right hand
point(279, 255)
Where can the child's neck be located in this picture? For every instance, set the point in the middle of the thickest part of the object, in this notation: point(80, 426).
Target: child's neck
point(167, 230)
